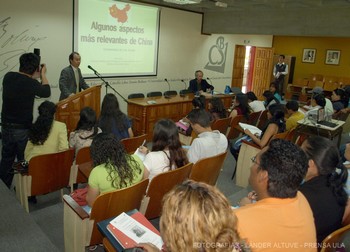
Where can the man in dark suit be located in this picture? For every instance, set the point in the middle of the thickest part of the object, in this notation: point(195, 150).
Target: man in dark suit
point(198, 84)
point(71, 81)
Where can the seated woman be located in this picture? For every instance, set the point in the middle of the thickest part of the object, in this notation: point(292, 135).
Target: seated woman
point(216, 108)
point(274, 91)
point(113, 167)
point(270, 99)
point(254, 103)
point(339, 99)
point(167, 153)
point(324, 185)
point(197, 217)
point(46, 135)
point(241, 106)
point(85, 131)
point(275, 124)
point(113, 120)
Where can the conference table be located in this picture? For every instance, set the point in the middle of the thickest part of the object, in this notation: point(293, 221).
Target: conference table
point(145, 112)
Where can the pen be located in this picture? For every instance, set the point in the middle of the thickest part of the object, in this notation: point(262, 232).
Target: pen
point(143, 144)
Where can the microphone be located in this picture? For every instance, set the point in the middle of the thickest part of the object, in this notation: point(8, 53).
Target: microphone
point(90, 67)
point(184, 83)
point(209, 81)
point(167, 96)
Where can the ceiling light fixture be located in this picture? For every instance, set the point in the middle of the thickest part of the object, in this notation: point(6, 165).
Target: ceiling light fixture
point(183, 1)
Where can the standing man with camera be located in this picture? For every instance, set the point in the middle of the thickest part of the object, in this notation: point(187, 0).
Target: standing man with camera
point(19, 90)
point(71, 81)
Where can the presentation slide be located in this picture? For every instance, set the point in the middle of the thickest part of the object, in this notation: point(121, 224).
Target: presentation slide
point(116, 38)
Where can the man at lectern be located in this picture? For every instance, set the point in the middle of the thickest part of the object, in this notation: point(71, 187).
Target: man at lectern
point(71, 81)
point(198, 85)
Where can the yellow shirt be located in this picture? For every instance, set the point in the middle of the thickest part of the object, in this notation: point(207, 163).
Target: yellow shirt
point(274, 224)
point(292, 121)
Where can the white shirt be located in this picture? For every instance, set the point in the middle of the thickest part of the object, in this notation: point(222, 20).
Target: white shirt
point(157, 162)
point(257, 106)
point(207, 144)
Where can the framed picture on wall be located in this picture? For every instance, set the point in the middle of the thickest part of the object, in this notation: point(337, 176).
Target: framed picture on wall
point(332, 57)
point(309, 55)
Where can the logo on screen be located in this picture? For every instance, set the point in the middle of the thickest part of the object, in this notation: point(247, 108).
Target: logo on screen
point(119, 14)
point(217, 56)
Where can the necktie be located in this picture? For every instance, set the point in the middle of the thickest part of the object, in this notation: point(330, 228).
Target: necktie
point(76, 80)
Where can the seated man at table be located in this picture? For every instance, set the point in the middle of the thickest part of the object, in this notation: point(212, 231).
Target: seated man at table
point(294, 115)
point(209, 142)
point(281, 216)
point(198, 85)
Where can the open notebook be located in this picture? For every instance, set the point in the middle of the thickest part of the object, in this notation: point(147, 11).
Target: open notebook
point(251, 128)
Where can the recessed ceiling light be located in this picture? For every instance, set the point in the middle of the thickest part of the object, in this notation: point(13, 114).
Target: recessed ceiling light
point(183, 1)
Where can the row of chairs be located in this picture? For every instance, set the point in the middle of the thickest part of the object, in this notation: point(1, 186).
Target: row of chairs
point(80, 229)
point(158, 93)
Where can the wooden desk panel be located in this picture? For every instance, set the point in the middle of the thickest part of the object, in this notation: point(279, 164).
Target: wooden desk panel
point(145, 115)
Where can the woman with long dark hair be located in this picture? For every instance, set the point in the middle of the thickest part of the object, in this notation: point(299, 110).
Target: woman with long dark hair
point(324, 185)
point(46, 135)
point(270, 99)
point(241, 106)
point(216, 108)
point(113, 120)
point(113, 167)
point(167, 152)
point(85, 131)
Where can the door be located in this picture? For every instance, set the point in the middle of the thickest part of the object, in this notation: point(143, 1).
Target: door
point(263, 63)
point(238, 66)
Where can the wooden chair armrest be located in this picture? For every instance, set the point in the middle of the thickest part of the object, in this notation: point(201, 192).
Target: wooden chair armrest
point(251, 144)
point(75, 207)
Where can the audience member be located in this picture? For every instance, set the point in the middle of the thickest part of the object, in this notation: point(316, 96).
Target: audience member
point(113, 167)
point(209, 142)
point(294, 115)
point(18, 92)
point(241, 106)
point(339, 99)
point(281, 219)
point(254, 103)
point(274, 91)
point(198, 217)
point(275, 124)
point(198, 85)
point(46, 135)
point(270, 99)
point(113, 120)
point(318, 90)
point(167, 152)
point(85, 131)
point(216, 108)
point(71, 81)
point(324, 185)
point(318, 101)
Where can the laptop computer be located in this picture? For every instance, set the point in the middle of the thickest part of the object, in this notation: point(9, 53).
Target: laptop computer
point(324, 119)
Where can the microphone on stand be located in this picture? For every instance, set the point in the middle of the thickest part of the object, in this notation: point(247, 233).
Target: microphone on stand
point(90, 67)
point(183, 94)
point(184, 83)
point(167, 96)
point(209, 81)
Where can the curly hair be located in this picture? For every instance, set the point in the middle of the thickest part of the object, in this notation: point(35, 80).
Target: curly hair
point(87, 121)
point(327, 159)
point(40, 130)
point(112, 115)
point(196, 215)
point(286, 164)
point(106, 149)
point(217, 107)
point(166, 135)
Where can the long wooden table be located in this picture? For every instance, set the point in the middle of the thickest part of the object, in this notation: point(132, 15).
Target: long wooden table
point(145, 112)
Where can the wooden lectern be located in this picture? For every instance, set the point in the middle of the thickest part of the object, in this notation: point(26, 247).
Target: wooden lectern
point(68, 110)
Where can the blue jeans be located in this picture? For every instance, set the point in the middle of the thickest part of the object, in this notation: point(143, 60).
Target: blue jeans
point(14, 142)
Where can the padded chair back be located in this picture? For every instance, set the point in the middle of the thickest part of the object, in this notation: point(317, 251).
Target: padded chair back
point(136, 95)
point(207, 170)
point(132, 143)
point(235, 129)
point(170, 93)
point(112, 204)
point(221, 125)
point(185, 92)
point(83, 156)
point(262, 119)
point(282, 135)
point(334, 240)
point(253, 118)
point(50, 172)
point(154, 94)
point(162, 184)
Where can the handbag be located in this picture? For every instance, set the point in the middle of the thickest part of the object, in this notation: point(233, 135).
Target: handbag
point(79, 196)
point(20, 166)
